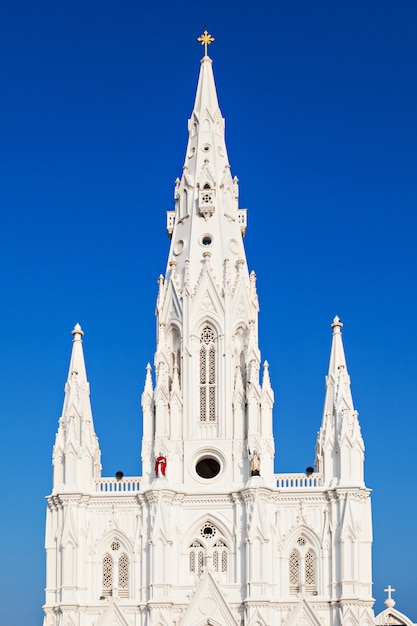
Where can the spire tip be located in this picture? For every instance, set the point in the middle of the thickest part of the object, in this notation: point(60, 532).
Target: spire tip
point(77, 330)
point(336, 325)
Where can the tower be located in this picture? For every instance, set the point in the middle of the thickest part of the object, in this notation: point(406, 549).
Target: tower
point(209, 534)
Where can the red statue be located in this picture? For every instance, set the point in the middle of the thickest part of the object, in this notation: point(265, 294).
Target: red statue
point(160, 465)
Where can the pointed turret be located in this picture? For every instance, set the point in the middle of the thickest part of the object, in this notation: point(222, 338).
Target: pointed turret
point(76, 455)
point(340, 448)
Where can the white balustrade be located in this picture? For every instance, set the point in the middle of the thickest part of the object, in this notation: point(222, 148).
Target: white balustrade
point(298, 481)
point(130, 484)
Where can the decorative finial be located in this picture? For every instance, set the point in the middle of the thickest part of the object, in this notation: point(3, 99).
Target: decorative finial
point(389, 602)
point(206, 39)
point(337, 325)
point(77, 332)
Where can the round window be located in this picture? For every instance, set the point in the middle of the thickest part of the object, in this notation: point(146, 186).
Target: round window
point(207, 467)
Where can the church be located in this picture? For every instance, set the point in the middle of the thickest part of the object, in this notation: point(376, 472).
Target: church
point(209, 534)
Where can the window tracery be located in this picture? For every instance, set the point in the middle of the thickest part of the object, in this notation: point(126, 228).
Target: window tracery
point(207, 375)
point(302, 565)
point(115, 572)
point(211, 546)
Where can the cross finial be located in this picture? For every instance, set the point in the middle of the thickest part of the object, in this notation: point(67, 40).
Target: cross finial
point(206, 39)
point(389, 602)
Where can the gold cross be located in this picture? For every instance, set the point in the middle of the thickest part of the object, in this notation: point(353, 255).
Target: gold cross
point(206, 40)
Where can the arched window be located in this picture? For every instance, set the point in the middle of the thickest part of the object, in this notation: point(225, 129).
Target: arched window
point(196, 557)
point(115, 572)
point(220, 557)
point(123, 575)
point(310, 571)
point(302, 567)
point(211, 546)
point(107, 575)
point(294, 571)
point(207, 375)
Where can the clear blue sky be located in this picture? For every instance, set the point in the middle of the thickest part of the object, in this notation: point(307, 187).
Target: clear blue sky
point(320, 100)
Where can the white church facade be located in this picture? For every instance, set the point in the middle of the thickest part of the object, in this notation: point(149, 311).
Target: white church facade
point(209, 534)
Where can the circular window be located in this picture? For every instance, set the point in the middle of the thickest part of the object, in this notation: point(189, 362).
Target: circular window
point(207, 467)
point(206, 240)
point(206, 147)
point(208, 530)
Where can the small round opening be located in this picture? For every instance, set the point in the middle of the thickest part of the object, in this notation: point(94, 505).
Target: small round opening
point(206, 240)
point(207, 467)
point(206, 147)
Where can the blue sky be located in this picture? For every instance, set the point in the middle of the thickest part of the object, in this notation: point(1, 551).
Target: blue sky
point(320, 107)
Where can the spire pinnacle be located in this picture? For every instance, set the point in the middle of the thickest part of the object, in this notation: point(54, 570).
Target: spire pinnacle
point(336, 325)
point(77, 364)
point(340, 447)
point(76, 434)
point(206, 39)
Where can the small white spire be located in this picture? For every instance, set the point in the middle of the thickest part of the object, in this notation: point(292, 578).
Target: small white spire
point(77, 363)
point(266, 381)
point(337, 381)
point(76, 428)
point(340, 422)
point(148, 387)
point(206, 95)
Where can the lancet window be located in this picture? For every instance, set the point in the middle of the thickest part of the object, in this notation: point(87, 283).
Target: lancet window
point(302, 567)
point(115, 572)
point(107, 575)
point(211, 550)
point(196, 556)
point(207, 375)
point(123, 575)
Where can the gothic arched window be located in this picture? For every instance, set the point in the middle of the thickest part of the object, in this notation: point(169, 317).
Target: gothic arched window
point(294, 571)
point(196, 557)
point(302, 564)
point(310, 571)
point(123, 575)
point(107, 575)
point(220, 556)
point(115, 572)
point(207, 375)
point(211, 547)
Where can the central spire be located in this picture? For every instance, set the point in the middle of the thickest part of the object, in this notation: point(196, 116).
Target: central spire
point(207, 406)
point(206, 216)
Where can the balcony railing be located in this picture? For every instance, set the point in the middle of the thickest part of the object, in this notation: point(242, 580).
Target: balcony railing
point(298, 481)
point(130, 484)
